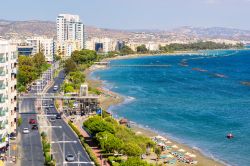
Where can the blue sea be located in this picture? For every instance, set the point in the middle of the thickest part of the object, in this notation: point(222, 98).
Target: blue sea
point(196, 100)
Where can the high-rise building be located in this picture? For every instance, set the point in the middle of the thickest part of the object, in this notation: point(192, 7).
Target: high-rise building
point(70, 28)
point(43, 44)
point(8, 94)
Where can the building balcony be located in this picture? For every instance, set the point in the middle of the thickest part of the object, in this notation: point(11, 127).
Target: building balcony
point(2, 61)
point(3, 112)
point(3, 118)
point(3, 99)
point(2, 73)
point(3, 123)
point(2, 86)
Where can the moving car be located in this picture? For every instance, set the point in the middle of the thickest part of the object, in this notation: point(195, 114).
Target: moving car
point(58, 116)
point(55, 88)
point(51, 106)
point(34, 127)
point(45, 104)
point(32, 121)
point(26, 131)
point(70, 158)
point(52, 119)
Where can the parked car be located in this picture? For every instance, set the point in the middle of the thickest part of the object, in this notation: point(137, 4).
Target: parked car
point(32, 121)
point(13, 135)
point(29, 88)
point(34, 127)
point(72, 119)
point(26, 131)
point(70, 158)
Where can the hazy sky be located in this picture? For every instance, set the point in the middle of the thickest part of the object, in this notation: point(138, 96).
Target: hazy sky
point(135, 14)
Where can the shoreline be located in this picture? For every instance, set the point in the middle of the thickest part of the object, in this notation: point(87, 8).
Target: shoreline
point(110, 99)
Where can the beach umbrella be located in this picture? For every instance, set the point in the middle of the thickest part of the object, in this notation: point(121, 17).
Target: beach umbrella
point(159, 137)
point(168, 142)
point(192, 155)
point(187, 153)
point(181, 150)
point(175, 146)
point(170, 156)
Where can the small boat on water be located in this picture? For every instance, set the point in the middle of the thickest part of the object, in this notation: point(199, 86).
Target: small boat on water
point(230, 136)
point(198, 69)
point(220, 75)
point(245, 83)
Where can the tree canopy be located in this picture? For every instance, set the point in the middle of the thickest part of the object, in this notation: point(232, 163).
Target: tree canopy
point(142, 49)
point(30, 68)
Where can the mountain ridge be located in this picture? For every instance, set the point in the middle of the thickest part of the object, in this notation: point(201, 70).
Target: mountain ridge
point(48, 28)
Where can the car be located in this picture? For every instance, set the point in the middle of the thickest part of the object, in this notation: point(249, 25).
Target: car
point(52, 119)
point(29, 88)
point(51, 106)
point(70, 158)
point(34, 127)
point(45, 104)
point(58, 116)
point(55, 88)
point(32, 121)
point(12, 136)
point(72, 119)
point(26, 131)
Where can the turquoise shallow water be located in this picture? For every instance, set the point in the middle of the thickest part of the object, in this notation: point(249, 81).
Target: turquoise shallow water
point(197, 107)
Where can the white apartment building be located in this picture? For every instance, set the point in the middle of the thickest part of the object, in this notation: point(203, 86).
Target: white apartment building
point(43, 44)
point(107, 44)
point(8, 101)
point(65, 49)
point(70, 28)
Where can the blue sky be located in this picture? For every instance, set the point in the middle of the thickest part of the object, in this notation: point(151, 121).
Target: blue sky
point(135, 14)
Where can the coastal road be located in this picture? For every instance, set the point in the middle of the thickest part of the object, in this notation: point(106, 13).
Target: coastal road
point(30, 144)
point(69, 135)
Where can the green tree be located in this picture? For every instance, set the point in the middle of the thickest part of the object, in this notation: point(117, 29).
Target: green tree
point(109, 142)
point(69, 89)
point(132, 149)
point(70, 66)
point(142, 49)
point(76, 78)
point(126, 50)
point(96, 125)
point(84, 57)
point(134, 161)
point(158, 152)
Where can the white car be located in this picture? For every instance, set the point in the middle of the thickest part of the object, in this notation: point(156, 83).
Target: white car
point(55, 88)
point(26, 131)
point(70, 158)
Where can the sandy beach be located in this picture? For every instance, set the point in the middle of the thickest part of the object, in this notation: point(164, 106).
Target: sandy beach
point(108, 98)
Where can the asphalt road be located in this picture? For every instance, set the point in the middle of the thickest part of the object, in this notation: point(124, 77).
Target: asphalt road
point(31, 147)
point(69, 135)
point(31, 152)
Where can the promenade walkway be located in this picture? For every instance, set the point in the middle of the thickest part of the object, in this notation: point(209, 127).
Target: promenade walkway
point(91, 143)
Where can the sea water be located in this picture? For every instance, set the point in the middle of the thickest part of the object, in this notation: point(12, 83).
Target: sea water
point(197, 100)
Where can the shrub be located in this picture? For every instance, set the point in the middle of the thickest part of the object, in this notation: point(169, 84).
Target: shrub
point(96, 124)
point(19, 121)
point(132, 149)
point(75, 129)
